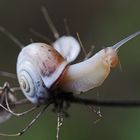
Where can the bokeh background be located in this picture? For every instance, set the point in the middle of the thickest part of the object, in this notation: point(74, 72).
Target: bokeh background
point(99, 22)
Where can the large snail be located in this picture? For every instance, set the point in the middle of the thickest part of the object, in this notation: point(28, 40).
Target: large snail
point(42, 70)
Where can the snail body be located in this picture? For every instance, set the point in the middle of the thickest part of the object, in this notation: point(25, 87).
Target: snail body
point(96, 69)
point(41, 70)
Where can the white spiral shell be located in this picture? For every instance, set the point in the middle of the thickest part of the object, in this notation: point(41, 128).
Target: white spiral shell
point(39, 66)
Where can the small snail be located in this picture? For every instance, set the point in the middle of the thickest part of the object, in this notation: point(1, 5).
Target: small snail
point(42, 70)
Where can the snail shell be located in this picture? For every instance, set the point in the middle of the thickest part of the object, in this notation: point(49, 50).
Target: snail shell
point(39, 67)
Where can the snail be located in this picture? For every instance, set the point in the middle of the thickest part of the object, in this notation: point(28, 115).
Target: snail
point(41, 70)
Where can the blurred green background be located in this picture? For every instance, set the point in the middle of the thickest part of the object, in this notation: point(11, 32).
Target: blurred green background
point(100, 23)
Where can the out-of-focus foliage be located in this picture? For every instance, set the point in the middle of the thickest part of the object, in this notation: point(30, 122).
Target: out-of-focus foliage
point(100, 23)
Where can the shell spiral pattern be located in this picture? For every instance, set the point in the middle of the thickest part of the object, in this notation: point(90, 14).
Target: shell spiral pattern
point(39, 67)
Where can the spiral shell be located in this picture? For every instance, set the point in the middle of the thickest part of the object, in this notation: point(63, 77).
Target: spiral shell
point(39, 66)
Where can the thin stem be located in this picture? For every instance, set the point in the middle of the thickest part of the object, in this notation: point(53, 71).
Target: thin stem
point(95, 102)
point(18, 114)
point(14, 39)
point(90, 53)
point(59, 124)
point(7, 74)
point(100, 102)
point(106, 103)
point(13, 89)
point(60, 119)
point(66, 27)
point(50, 23)
point(81, 44)
point(41, 36)
point(28, 126)
point(20, 102)
point(97, 111)
point(5, 94)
